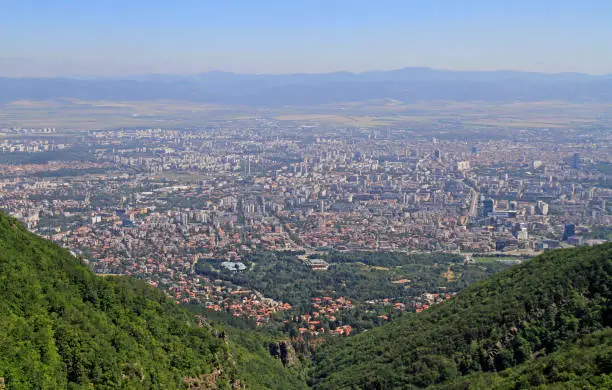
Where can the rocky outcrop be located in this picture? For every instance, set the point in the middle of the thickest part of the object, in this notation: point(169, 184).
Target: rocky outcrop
point(213, 381)
point(284, 351)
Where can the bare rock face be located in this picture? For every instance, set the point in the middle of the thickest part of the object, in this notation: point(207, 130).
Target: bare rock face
point(211, 381)
point(284, 351)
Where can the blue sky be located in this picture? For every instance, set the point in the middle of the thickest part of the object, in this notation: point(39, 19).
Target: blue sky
point(108, 37)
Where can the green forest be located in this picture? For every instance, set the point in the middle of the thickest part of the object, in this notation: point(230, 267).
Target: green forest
point(522, 325)
point(585, 364)
point(61, 326)
point(359, 276)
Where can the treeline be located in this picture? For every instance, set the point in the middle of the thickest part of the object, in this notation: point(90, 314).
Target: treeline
point(77, 153)
point(393, 259)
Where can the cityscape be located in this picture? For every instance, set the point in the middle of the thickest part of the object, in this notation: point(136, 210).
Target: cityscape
point(295, 195)
point(157, 204)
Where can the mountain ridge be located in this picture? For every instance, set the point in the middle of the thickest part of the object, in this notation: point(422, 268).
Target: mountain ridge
point(407, 84)
point(407, 69)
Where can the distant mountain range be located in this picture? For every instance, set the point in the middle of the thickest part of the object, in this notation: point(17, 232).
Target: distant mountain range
point(408, 85)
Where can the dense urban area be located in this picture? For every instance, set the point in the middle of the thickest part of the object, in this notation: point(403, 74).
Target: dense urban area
point(305, 195)
point(281, 222)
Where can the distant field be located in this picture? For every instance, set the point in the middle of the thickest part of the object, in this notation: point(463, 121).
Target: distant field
point(82, 115)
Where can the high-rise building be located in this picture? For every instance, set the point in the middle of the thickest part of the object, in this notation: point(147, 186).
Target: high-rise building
point(542, 207)
point(489, 206)
point(575, 162)
point(437, 155)
point(570, 230)
point(531, 210)
point(486, 207)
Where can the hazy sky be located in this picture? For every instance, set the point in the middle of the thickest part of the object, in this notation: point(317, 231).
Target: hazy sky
point(112, 37)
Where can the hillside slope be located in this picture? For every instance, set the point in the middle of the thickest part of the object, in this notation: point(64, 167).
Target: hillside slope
point(61, 326)
point(585, 364)
point(512, 319)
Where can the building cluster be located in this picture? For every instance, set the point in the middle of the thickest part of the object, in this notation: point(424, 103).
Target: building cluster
point(29, 146)
point(323, 318)
point(153, 203)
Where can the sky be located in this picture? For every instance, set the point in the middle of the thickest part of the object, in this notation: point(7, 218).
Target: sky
point(112, 38)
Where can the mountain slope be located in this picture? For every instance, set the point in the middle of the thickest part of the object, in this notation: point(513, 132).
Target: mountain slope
point(586, 364)
point(61, 326)
point(525, 312)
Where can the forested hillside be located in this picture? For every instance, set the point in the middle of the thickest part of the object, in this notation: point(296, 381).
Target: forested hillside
point(586, 364)
point(529, 324)
point(543, 323)
point(61, 326)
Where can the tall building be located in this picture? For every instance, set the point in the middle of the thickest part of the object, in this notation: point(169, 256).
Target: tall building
point(575, 162)
point(437, 155)
point(570, 230)
point(487, 206)
point(542, 207)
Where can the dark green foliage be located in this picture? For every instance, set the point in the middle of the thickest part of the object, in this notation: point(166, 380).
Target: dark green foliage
point(586, 364)
point(256, 368)
point(393, 259)
point(531, 310)
point(249, 347)
point(63, 327)
point(359, 276)
point(66, 172)
point(72, 154)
